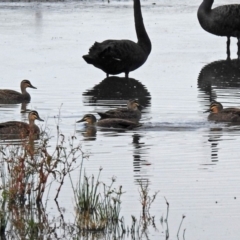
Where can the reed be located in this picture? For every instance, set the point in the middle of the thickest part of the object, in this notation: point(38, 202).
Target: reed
point(97, 205)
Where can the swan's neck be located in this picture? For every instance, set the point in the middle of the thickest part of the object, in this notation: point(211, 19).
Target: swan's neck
point(143, 39)
point(206, 5)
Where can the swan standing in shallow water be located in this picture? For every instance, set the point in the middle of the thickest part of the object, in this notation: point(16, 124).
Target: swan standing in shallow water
point(221, 21)
point(122, 56)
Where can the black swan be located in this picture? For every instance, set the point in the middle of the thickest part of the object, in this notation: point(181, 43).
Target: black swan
point(122, 56)
point(221, 21)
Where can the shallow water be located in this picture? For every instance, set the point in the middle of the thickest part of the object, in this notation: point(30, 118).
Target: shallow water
point(194, 163)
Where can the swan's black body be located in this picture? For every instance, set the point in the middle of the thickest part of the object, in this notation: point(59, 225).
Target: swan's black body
point(122, 56)
point(221, 21)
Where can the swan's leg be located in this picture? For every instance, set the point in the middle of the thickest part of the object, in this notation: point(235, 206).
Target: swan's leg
point(228, 48)
point(238, 53)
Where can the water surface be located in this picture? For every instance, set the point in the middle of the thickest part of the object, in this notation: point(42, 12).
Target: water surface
point(194, 163)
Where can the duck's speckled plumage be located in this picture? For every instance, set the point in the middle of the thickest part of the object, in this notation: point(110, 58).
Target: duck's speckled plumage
point(220, 114)
point(131, 113)
point(17, 129)
point(8, 95)
point(221, 21)
point(91, 120)
point(122, 56)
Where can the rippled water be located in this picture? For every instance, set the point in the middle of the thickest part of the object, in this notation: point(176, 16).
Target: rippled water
point(194, 163)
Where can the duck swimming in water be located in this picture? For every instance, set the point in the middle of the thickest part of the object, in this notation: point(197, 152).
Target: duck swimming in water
point(131, 113)
point(7, 95)
point(91, 120)
point(220, 114)
point(16, 129)
point(122, 56)
point(221, 21)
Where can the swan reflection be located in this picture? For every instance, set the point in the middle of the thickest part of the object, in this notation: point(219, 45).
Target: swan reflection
point(219, 79)
point(117, 91)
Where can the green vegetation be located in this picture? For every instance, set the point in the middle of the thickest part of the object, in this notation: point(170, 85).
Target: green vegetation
point(27, 173)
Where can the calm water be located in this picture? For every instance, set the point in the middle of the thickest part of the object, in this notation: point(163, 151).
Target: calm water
point(195, 164)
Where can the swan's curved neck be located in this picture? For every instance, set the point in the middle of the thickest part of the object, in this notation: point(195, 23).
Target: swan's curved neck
point(143, 39)
point(207, 5)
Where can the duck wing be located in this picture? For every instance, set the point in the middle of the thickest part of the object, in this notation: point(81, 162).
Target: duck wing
point(118, 123)
point(121, 113)
point(14, 127)
point(7, 93)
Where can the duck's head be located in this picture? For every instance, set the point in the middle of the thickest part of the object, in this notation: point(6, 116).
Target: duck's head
point(26, 84)
point(33, 115)
point(89, 119)
point(215, 107)
point(133, 104)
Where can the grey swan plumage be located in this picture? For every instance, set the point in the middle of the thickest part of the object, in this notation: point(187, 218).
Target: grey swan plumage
point(220, 114)
point(122, 56)
point(17, 129)
point(221, 21)
point(131, 112)
point(8, 95)
point(91, 120)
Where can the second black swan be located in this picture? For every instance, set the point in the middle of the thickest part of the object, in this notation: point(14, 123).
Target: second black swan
point(221, 21)
point(122, 56)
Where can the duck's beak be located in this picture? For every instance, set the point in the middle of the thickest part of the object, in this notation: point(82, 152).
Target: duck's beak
point(39, 119)
point(209, 110)
point(31, 86)
point(82, 120)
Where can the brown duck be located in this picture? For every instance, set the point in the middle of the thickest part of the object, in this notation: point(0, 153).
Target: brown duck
point(7, 95)
point(122, 56)
point(131, 112)
point(220, 114)
point(16, 129)
point(91, 120)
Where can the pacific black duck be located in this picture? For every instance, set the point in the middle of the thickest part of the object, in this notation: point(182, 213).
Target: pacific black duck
point(91, 120)
point(122, 56)
point(7, 95)
point(131, 112)
point(17, 129)
point(220, 114)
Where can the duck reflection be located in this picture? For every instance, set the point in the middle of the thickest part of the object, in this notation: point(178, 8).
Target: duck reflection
point(139, 158)
point(219, 75)
point(117, 89)
point(89, 133)
point(214, 139)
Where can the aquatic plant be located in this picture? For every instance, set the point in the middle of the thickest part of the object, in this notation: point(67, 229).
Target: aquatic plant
point(97, 205)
